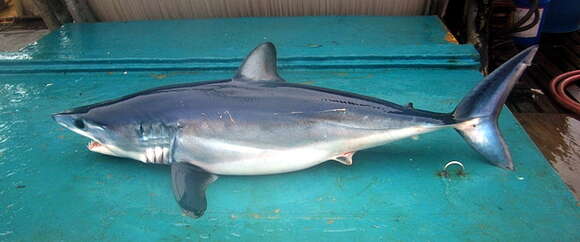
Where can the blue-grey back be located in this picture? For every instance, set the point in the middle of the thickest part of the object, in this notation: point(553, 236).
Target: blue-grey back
point(249, 102)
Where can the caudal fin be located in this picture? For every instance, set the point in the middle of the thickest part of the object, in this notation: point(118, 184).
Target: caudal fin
point(478, 112)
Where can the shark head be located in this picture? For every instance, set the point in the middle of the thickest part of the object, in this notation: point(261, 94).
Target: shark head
point(108, 136)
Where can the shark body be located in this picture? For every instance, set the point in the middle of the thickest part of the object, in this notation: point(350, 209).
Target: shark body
point(256, 124)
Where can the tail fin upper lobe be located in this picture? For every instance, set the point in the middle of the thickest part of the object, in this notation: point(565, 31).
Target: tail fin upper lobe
point(478, 112)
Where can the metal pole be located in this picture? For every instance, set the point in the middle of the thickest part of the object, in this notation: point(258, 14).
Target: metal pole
point(80, 11)
point(46, 13)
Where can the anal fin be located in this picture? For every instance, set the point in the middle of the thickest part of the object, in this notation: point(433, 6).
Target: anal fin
point(189, 185)
point(345, 158)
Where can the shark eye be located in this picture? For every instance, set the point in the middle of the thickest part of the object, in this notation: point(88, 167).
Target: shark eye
point(79, 123)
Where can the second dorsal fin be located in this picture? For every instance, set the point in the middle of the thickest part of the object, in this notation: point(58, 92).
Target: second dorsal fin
point(259, 65)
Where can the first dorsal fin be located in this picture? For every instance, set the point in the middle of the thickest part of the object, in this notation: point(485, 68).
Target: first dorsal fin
point(259, 65)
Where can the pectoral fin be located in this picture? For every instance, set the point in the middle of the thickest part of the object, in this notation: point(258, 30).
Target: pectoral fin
point(189, 185)
point(345, 158)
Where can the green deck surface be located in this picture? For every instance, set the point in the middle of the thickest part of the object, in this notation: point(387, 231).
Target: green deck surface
point(53, 188)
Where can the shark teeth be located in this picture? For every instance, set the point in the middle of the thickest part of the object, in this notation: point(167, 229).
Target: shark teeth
point(97, 147)
point(93, 144)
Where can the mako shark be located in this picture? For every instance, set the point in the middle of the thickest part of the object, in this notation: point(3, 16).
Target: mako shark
point(257, 123)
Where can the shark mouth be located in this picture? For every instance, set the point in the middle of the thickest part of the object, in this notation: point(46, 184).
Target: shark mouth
point(104, 149)
point(97, 147)
point(93, 145)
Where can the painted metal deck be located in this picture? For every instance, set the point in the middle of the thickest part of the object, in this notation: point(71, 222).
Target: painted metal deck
point(53, 188)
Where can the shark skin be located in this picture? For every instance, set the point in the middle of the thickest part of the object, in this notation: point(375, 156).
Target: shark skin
point(256, 123)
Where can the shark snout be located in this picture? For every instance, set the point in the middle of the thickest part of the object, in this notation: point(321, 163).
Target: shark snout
point(70, 121)
point(62, 119)
point(78, 124)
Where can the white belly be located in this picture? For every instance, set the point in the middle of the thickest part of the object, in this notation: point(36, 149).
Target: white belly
point(236, 159)
point(266, 162)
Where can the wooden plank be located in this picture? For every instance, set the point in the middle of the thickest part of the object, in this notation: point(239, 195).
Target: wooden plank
point(571, 58)
point(542, 80)
point(548, 67)
point(519, 101)
point(511, 104)
point(558, 137)
point(576, 37)
point(542, 100)
point(557, 57)
point(573, 46)
point(537, 79)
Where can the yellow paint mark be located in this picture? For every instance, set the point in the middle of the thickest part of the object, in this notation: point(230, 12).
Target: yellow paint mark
point(159, 76)
point(450, 38)
point(330, 221)
point(341, 74)
point(258, 216)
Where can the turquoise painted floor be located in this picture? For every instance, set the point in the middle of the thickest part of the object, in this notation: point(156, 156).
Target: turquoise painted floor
point(53, 188)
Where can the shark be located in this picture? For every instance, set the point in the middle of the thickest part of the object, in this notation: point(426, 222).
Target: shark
point(256, 123)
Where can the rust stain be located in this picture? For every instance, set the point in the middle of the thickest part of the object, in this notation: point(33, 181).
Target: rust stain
point(330, 221)
point(159, 76)
point(450, 174)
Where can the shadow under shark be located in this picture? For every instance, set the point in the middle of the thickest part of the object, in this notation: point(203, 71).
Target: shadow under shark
point(256, 124)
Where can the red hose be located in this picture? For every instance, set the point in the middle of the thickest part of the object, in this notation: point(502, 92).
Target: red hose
point(558, 89)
